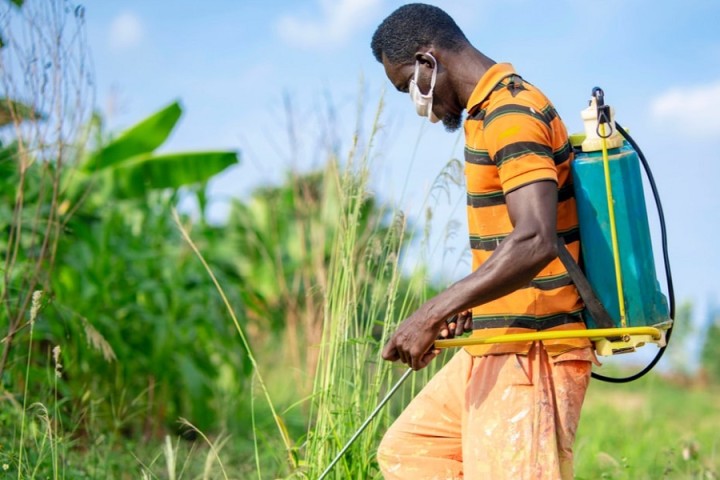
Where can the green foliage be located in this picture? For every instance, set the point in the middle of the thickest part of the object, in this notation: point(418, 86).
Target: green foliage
point(129, 166)
point(278, 245)
point(32, 218)
point(125, 284)
point(683, 341)
point(143, 173)
point(13, 110)
point(711, 346)
point(146, 339)
point(652, 428)
point(130, 304)
point(313, 267)
point(142, 138)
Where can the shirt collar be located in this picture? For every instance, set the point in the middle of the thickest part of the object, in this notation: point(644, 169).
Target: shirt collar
point(487, 82)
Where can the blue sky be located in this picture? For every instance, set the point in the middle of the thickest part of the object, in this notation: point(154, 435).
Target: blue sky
point(232, 63)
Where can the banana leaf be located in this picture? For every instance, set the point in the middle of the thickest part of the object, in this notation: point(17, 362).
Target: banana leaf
point(142, 138)
point(138, 175)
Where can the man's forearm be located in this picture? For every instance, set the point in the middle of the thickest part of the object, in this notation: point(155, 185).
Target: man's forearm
point(517, 260)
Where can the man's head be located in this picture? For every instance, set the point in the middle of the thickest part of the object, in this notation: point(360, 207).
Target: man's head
point(413, 44)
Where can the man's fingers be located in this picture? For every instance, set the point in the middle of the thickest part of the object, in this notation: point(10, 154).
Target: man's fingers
point(451, 329)
point(425, 359)
point(467, 320)
point(405, 357)
point(390, 352)
point(459, 328)
point(468, 323)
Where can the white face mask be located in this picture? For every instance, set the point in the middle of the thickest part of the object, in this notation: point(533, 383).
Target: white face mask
point(423, 101)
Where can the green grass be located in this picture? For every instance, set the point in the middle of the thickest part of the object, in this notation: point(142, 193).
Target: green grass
point(364, 300)
point(649, 429)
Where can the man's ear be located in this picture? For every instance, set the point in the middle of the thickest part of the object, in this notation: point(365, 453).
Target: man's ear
point(426, 56)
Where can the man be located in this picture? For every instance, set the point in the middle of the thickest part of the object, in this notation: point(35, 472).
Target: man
point(503, 410)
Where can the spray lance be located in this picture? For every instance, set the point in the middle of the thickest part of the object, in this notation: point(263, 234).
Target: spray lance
point(367, 421)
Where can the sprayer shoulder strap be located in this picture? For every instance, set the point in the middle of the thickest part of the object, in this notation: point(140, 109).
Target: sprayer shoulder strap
point(592, 303)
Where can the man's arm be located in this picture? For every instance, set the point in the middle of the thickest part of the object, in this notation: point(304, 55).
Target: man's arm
point(516, 261)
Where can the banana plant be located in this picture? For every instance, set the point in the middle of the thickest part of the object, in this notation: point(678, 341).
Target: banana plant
point(123, 270)
point(132, 166)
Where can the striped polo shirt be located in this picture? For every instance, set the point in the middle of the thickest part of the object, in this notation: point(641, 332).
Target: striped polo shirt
point(515, 137)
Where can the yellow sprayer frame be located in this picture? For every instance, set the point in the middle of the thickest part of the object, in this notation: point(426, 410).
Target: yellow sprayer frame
point(608, 341)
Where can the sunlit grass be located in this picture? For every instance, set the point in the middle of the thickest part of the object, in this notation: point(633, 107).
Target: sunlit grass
point(368, 294)
point(650, 429)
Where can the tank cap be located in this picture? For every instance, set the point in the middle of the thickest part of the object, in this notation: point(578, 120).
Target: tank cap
point(593, 117)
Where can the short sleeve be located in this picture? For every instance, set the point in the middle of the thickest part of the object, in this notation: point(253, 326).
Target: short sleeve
point(519, 143)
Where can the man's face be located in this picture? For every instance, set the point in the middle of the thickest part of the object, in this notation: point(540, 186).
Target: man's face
point(443, 106)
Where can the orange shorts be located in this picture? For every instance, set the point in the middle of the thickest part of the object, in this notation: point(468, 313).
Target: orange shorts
point(493, 417)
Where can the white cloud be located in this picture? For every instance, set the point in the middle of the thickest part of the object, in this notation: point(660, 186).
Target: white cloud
point(693, 110)
point(338, 21)
point(126, 31)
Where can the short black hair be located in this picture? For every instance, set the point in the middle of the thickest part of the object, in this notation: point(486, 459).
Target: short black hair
point(413, 26)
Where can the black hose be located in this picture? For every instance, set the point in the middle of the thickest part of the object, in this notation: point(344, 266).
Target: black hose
point(666, 258)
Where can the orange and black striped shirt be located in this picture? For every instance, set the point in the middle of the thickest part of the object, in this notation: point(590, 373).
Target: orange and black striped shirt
point(514, 137)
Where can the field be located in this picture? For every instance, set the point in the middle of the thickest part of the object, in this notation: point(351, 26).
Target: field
point(139, 342)
point(653, 428)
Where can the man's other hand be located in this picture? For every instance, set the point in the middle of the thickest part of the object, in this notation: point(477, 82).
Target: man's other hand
point(457, 325)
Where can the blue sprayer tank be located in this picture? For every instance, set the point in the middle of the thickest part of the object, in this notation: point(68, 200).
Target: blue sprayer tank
point(645, 304)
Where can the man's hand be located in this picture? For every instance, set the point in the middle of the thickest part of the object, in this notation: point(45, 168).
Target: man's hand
point(413, 340)
point(457, 325)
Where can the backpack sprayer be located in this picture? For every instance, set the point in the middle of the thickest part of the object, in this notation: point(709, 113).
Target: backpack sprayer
point(624, 305)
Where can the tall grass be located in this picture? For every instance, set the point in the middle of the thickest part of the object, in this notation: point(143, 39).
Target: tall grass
point(40, 441)
point(367, 295)
point(350, 373)
point(245, 343)
point(34, 309)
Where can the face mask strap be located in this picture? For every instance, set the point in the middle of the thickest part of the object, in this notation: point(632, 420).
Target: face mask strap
point(433, 77)
point(434, 74)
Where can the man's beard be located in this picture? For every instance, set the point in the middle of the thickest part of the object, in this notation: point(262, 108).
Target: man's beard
point(452, 122)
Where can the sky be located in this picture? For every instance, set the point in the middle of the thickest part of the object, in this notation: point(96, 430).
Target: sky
point(240, 66)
